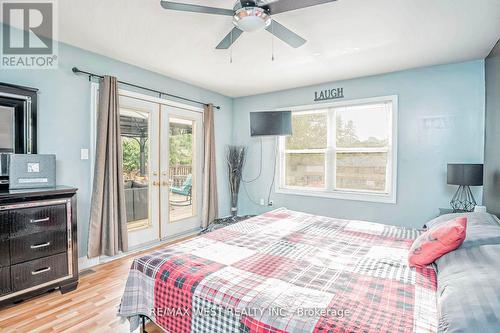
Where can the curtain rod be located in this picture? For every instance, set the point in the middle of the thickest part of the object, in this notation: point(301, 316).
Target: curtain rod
point(90, 75)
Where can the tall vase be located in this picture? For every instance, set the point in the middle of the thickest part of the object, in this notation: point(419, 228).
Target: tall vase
point(235, 160)
point(234, 204)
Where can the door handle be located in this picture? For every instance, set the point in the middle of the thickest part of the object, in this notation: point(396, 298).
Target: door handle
point(155, 183)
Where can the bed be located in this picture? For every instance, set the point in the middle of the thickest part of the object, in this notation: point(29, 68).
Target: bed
point(287, 271)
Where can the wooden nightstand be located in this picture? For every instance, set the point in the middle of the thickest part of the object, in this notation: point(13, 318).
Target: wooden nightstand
point(443, 211)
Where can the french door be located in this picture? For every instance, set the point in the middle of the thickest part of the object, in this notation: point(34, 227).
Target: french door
point(181, 176)
point(162, 168)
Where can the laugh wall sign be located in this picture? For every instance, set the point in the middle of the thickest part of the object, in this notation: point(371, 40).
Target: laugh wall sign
point(328, 94)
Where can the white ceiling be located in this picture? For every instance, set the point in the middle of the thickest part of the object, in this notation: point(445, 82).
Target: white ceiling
point(346, 39)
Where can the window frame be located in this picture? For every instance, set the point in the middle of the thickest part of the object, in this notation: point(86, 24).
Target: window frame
point(330, 190)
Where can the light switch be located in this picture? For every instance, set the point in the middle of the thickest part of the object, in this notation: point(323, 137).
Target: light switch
point(84, 154)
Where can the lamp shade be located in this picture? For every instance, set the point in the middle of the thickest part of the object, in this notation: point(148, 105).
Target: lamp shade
point(465, 174)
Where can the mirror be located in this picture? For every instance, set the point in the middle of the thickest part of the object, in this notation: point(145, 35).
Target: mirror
point(18, 131)
point(7, 129)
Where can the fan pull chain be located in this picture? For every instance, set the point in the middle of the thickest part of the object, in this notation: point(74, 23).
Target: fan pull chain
point(231, 49)
point(272, 43)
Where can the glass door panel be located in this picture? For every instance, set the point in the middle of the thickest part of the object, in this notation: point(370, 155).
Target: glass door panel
point(181, 161)
point(181, 204)
point(134, 127)
point(139, 125)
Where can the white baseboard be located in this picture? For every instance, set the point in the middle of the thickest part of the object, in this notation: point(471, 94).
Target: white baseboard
point(86, 263)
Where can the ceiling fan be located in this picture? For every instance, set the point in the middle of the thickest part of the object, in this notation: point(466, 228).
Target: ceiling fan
point(253, 15)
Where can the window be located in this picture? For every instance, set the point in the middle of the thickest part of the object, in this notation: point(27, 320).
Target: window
point(342, 150)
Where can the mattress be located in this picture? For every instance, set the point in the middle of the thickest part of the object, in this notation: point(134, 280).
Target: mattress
point(285, 271)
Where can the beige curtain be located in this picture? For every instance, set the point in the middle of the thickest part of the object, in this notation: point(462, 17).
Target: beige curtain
point(108, 222)
point(210, 203)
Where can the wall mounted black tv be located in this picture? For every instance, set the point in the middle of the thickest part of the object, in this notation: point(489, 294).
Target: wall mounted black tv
point(271, 123)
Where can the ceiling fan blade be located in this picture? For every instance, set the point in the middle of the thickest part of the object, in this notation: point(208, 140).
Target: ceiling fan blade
point(285, 34)
point(230, 38)
point(195, 8)
point(282, 6)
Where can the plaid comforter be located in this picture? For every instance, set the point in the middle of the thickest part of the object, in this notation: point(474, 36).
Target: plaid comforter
point(285, 271)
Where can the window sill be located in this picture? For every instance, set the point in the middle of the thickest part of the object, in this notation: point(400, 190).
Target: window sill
point(342, 195)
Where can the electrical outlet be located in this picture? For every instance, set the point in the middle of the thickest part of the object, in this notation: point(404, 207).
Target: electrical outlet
point(262, 202)
point(270, 203)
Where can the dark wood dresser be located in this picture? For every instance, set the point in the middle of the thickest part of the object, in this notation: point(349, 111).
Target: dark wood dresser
point(38, 242)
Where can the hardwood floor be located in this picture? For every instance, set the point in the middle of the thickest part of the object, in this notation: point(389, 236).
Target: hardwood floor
point(90, 308)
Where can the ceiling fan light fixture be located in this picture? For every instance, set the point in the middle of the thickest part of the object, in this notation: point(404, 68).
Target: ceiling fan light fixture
point(250, 19)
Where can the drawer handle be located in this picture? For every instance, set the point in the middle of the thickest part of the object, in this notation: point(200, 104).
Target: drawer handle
point(40, 271)
point(40, 245)
point(40, 220)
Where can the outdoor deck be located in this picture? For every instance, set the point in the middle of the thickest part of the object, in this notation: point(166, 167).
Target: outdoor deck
point(181, 210)
point(178, 211)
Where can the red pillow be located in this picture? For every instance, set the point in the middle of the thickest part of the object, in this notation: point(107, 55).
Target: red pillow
point(437, 241)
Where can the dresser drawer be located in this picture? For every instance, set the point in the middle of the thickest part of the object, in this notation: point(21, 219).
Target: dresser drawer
point(5, 280)
point(36, 219)
point(4, 243)
point(38, 271)
point(34, 246)
point(4, 253)
point(4, 228)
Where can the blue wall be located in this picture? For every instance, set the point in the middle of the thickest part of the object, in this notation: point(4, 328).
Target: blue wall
point(64, 118)
point(455, 92)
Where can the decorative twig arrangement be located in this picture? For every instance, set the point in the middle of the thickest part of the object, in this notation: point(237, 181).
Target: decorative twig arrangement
point(235, 158)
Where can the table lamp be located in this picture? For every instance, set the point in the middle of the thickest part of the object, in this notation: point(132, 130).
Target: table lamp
point(464, 175)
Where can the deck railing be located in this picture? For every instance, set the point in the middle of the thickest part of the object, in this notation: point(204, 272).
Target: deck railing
point(178, 173)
